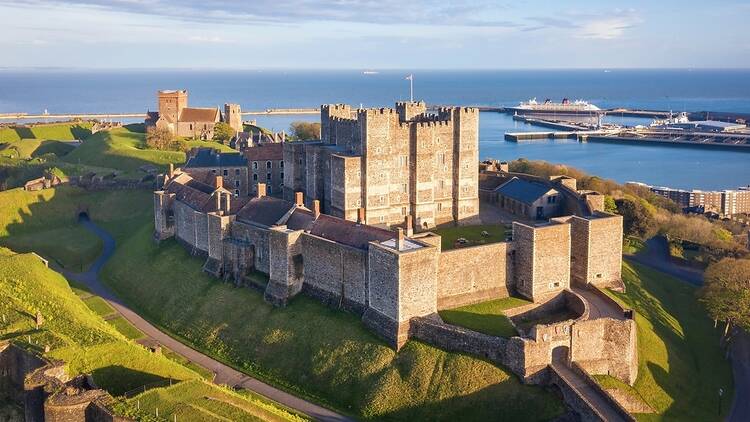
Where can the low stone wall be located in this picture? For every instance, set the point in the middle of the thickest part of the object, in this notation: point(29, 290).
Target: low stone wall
point(621, 411)
point(626, 312)
point(432, 330)
point(474, 274)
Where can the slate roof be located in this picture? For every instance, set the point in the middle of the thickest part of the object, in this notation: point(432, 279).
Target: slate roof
point(348, 232)
point(200, 115)
point(301, 219)
point(266, 210)
point(190, 191)
point(207, 157)
point(265, 152)
point(523, 190)
point(490, 181)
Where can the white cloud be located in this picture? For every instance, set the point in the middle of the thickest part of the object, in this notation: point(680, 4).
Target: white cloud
point(607, 28)
point(208, 39)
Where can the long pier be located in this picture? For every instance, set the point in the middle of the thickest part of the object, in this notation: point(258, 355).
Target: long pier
point(27, 116)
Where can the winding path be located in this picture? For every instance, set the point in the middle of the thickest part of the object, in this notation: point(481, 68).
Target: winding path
point(656, 256)
point(224, 374)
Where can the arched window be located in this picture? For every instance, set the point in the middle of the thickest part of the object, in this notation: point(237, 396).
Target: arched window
point(268, 164)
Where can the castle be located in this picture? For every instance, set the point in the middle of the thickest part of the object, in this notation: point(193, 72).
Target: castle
point(390, 163)
point(191, 122)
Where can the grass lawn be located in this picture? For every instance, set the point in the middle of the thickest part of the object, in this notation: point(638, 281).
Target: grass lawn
point(99, 306)
point(200, 401)
point(473, 234)
point(46, 222)
point(681, 366)
point(486, 317)
point(633, 245)
point(30, 148)
point(126, 328)
point(205, 373)
point(315, 351)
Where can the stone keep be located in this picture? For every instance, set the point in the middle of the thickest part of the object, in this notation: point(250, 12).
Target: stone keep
point(596, 250)
point(392, 163)
point(542, 259)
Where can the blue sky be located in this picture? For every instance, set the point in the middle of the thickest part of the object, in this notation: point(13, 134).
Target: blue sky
point(374, 34)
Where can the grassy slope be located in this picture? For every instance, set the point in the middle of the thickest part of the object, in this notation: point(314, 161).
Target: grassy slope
point(341, 363)
point(75, 333)
point(45, 221)
point(125, 149)
point(486, 317)
point(29, 148)
point(200, 401)
point(681, 366)
point(473, 234)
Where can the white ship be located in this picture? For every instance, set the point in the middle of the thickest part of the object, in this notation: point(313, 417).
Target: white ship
point(566, 107)
point(680, 118)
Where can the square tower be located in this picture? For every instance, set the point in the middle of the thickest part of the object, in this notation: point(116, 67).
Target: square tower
point(233, 116)
point(171, 103)
point(542, 259)
point(596, 256)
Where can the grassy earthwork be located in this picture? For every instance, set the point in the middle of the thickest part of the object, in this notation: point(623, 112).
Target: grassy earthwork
point(681, 366)
point(486, 317)
point(472, 234)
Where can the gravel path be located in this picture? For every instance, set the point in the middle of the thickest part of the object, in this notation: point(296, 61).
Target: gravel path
point(224, 374)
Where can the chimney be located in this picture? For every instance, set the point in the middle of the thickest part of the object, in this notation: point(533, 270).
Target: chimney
point(227, 202)
point(218, 202)
point(408, 227)
point(316, 208)
point(400, 239)
point(299, 199)
point(218, 182)
point(261, 190)
point(504, 166)
point(361, 216)
point(170, 172)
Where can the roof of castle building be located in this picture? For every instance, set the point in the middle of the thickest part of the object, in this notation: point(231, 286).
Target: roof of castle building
point(202, 115)
point(263, 152)
point(266, 210)
point(208, 157)
point(490, 181)
point(348, 232)
point(197, 195)
point(523, 190)
point(301, 219)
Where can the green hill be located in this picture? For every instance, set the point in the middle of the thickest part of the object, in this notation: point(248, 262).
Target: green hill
point(54, 131)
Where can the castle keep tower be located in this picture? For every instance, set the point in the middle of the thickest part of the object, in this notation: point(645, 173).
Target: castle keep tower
point(391, 163)
point(171, 103)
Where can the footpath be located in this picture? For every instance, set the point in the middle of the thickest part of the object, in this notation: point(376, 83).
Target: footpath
point(224, 374)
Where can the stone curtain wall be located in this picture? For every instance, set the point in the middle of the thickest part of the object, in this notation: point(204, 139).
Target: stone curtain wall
point(163, 204)
point(474, 274)
point(257, 237)
point(607, 346)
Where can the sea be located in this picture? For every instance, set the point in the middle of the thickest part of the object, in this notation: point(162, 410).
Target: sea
point(102, 91)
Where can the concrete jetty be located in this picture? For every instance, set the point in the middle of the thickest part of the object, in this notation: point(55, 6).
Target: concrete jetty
point(101, 116)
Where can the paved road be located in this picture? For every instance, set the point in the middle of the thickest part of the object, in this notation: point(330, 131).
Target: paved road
point(598, 307)
point(224, 374)
point(740, 352)
point(602, 406)
point(656, 256)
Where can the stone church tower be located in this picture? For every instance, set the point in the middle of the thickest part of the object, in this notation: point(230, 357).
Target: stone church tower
point(233, 116)
point(171, 103)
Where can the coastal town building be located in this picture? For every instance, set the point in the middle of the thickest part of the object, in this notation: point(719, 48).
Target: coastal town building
point(191, 122)
point(266, 165)
point(725, 203)
point(205, 164)
point(390, 163)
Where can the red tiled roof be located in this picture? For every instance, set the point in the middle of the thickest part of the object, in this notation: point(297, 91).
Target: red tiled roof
point(264, 152)
point(190, 191)
point(348, 232)
point(192, 114)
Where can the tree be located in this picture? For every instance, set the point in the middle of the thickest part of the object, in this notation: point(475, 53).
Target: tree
point(163, 139)
point(637, 215)
point(609, 205)
point(726, 292)
point(305, 131)
point(158, 138)
point(223, 132)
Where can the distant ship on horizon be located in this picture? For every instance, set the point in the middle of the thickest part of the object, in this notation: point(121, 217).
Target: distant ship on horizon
point(370, 72)
point(565, 107)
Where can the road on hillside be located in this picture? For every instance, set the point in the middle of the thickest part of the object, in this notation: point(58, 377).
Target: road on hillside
point(656, 256)
point(224, 374)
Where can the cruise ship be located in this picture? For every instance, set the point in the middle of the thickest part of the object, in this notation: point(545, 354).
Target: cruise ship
point(564, 108)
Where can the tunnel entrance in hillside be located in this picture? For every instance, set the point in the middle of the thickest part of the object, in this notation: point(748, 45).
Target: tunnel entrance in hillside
point(82, 213)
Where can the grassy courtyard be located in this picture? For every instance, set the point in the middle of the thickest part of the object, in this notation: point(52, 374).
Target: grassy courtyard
point(681, 366)
point(472, 234)
point(486, 317)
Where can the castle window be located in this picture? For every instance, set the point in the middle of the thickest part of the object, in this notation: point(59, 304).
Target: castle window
point(599, 275)
point(213, 171)
point(191, 126)
point(236, 192)
point(255, 165)
point(442, 184)
point(300, 161)
point(403, 210)
point(439, 206)
point(281, 164)
point(236, 172)
point(237, 183)
point(255, 177)
point(226, 172)
point(268, 176)
point(268, 164)
point(551, 199)
point(281, 175)
point(404, 188)
point(359, 203)
point(381, 219)
point(382, 199)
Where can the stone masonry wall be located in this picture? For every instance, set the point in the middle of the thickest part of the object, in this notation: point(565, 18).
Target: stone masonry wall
point(474, 274)
point(542, 259)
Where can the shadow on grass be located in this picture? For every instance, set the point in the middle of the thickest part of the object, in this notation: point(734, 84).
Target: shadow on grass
point(492, 324)
point(119, 380)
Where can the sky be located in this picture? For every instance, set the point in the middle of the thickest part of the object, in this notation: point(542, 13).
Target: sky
point(374, 34)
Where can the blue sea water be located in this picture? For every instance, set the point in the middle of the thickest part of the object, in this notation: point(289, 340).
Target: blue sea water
point(83, 91)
